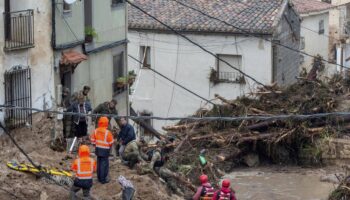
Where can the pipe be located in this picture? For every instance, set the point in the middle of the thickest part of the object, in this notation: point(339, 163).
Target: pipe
point(53, 24)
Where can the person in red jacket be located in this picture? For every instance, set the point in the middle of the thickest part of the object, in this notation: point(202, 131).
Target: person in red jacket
point(225, 193)
point(205, 191)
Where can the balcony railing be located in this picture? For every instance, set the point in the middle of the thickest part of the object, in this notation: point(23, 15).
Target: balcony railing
point(19, 30)
point(232, 77)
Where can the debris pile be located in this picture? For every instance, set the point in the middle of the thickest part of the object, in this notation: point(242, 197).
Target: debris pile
point(249, 142)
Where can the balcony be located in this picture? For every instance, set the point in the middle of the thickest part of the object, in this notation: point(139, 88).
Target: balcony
point(19, 30)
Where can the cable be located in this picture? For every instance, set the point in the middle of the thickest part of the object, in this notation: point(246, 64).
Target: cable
point(227, 119)
point(46, 175)
point(174, 82)
point(198, 45)
point(247, 33)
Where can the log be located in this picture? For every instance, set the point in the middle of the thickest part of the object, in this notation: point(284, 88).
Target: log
point(261, 125)
point(224, 156)
point(225, 100)
point(267, 92)
point(255, 138)
point(184, 181)
point(179, 127)
point(146, 126)
point(258, 111)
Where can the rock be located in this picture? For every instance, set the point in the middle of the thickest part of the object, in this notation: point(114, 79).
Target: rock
point(43, 196)
point(252, 160)
point(330, 178)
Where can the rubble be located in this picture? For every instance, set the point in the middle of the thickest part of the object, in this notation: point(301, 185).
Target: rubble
point(250, 142)
point(36, 142)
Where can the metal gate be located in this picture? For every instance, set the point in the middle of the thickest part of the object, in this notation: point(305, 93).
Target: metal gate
point(18, 92)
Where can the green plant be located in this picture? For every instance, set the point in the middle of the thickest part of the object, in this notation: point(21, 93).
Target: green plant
point(213, 76)
point(89, 31)
point(122, 80)
point(132, 73)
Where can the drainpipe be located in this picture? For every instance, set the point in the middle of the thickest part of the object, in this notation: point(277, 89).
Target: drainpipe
point(53, 24)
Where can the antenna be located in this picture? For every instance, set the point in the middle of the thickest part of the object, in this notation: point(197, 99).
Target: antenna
point(69, 1)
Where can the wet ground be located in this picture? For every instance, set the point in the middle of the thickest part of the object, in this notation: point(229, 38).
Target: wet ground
point(291, 183)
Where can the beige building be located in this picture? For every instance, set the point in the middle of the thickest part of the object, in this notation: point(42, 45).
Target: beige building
point(48, 44)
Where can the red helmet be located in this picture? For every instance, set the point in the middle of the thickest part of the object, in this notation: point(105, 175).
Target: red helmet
point(203, 178)
point(226, 183)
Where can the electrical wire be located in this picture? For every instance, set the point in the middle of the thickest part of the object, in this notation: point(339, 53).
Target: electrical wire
point(252, 35)
point(198, 45)
point(295, 117)
point(206, 100)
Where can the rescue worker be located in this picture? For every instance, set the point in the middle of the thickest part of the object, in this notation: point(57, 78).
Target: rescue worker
point(80, 121)
point(102, 139)
point(108, 107)
point(225, 193)
point(131, 155)
point(205, 191)
point(126, 135)
point(84, 167)
point(84, 93)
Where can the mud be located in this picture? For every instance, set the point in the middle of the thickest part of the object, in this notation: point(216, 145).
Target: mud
point(35, 141)
point(286, 183)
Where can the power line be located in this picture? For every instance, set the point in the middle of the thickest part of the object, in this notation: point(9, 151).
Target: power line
point(174, 82)
point(198, 45)
point(296, 117)
point(252, 35)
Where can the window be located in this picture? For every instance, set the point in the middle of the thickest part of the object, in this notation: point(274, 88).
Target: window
point(118, 72)
point(66, 7)
point(116, 2)
point(149, 122)
point(302, 43)
point(145, 56)
point(321, 27)
point(225, 72)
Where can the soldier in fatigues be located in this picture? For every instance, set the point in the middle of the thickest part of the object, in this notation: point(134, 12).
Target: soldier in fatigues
point(131, 154)
point(108, 108)
point(67, 119)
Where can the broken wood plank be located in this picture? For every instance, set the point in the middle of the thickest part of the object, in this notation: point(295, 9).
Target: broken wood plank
point(224, 100)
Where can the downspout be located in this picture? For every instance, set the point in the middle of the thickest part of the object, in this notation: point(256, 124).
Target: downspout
point(53, 24)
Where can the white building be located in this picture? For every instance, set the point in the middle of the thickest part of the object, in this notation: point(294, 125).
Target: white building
point(188, 65)
point(44, 46)
point(314, 32)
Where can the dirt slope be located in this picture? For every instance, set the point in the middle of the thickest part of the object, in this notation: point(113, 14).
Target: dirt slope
point(36, 143)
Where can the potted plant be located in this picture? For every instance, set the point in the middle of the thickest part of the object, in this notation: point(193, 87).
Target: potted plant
point(121, 82)
point(131, 77)
point(90, 34)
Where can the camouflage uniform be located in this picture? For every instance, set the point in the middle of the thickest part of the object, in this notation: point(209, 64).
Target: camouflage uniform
point(132, 154)
point(67, 119)
point(104, 108)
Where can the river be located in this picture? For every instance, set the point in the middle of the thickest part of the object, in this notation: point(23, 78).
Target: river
point(276, 183)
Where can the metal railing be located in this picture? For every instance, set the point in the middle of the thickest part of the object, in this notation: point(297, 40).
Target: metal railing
point(18, 93)
point(19, 30)
point(234, 77)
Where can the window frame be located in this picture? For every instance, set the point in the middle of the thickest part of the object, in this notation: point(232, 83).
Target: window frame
point(302, 43)
point(64, 10)
point(321, 27)
point(239, 79)
point(116, 4)
point(145, 57)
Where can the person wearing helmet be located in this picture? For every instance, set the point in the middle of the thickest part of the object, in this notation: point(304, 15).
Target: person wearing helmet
point(205, 191)
point(225, 193)
point(103, 140)
point(83, 167)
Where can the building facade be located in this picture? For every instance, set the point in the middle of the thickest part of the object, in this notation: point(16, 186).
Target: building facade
point(172, 56)
point(314, 33)
point(47, 46)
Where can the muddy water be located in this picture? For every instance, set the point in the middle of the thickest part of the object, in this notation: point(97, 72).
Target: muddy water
point(281, 184)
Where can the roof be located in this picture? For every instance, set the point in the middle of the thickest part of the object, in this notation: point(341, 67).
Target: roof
point(255, 16)
point(72, 57)
point(310, 6)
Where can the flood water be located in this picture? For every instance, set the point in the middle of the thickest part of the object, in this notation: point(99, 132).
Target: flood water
point(290, 183)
